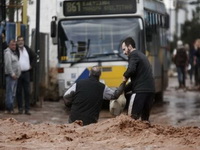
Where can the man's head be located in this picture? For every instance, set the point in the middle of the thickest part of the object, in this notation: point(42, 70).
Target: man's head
point(197, 43)
point(180, 44)
point(95, 72)
point(3, 35)
point(128, 45)
point(20, 41)
point(12, 45)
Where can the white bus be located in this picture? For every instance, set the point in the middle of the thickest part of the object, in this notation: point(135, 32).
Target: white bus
point(90, 32)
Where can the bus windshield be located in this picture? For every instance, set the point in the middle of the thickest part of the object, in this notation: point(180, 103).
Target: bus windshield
point(96, 39)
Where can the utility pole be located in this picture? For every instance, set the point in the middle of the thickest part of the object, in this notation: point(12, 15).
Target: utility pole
point(176, 19)
point(180, 4)
point(37, 51)
point(2, 28)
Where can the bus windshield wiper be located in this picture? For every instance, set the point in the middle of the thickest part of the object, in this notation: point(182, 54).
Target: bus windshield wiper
point(78, 61)
point(102, 55)
point(98, 55)
point(109, 54)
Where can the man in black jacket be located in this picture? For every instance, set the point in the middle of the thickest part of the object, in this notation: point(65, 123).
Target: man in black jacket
point(142, 83)
point(87, 96)
point(27, 60)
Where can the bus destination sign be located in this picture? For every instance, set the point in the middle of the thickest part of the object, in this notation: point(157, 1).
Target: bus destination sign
point(98, 7)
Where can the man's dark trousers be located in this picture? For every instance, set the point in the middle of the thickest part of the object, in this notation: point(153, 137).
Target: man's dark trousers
point(23, 90)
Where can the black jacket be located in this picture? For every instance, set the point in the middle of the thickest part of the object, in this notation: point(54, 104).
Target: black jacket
point(140, 72)
point(32, 56)
point(181, 58)
point(87, 101)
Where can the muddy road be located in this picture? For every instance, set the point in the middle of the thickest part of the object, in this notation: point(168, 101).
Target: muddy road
point(175, 125)
point(180, 108)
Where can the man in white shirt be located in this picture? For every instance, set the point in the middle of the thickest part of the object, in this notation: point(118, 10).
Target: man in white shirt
point(27, 60)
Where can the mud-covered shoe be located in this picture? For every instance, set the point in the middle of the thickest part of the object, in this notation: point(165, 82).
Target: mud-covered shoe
point(20, 112)
point(6, 112)
point(27, 113)
point(12, 112)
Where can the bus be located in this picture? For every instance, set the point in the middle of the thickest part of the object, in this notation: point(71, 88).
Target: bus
point(90, 32)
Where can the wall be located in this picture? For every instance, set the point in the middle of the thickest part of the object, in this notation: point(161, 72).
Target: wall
point(47, 10)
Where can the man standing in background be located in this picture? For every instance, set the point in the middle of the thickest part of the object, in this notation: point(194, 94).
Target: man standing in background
point(27, 60)
point(181, 62)
point(197, 63)
point(12, 73)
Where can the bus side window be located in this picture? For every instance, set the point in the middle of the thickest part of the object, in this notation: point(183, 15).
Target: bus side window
point(148, 27)
point(155, 23)
point(160, 20)
point(167, 21)
point(163, 21)
point(146, 17)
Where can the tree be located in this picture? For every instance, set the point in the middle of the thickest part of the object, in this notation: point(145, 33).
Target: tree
point(190, 29)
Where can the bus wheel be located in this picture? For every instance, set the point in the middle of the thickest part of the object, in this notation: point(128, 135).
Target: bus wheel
point(159, 97)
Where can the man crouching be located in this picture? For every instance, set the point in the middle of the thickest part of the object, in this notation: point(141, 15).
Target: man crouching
point(87, 96)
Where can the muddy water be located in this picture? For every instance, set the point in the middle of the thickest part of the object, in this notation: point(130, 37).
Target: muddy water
point(181, 107)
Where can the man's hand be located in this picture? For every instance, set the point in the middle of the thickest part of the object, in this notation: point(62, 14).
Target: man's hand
point(125, 79)
point(14, 77)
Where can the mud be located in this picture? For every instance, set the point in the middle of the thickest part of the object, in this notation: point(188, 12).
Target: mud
point(120, 133)
point(175, 125)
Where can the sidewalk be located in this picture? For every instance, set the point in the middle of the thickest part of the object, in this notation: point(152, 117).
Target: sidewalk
point(50, 112)
point(56, 112)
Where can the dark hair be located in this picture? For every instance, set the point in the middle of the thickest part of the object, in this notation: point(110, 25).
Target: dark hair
point(129, 41)
point(12, 40)
point(20, 36)
point(95, 72)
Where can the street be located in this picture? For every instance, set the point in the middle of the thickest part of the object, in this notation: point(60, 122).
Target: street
point(179, 108)
point(173, 126)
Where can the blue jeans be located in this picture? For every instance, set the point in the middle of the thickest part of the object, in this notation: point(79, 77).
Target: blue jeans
point(11, 86)
point(181, 75)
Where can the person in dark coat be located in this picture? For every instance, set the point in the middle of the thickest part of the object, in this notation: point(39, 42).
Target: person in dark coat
point(191, 56)
point(181, 62)
point(87, 96)
point(197, 63)
point(4, 43)
point(142, 86)
point(27, 60)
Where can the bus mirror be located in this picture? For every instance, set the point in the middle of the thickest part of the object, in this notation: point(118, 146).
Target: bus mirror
point(53, 29)
point(167, 21)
